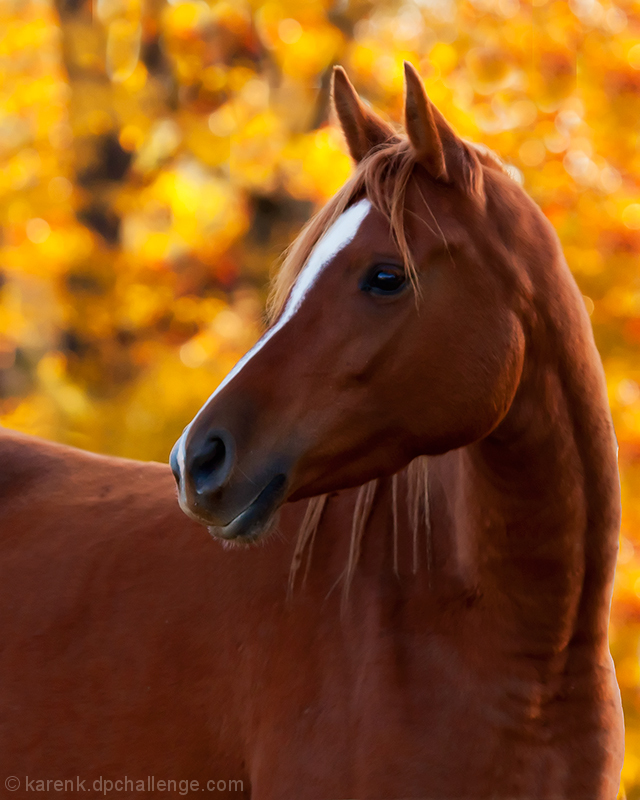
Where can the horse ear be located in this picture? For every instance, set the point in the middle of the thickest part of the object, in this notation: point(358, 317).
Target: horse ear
point(362, 129)
point(421, 127)
point(437, 147)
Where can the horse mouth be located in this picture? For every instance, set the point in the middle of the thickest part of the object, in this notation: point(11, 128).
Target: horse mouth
point(256, 519)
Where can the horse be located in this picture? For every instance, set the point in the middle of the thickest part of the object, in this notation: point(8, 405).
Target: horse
point(430, 386)
point(420, 455)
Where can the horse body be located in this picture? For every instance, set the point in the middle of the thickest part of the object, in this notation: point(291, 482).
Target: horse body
point(445, 630)
point(134, 646)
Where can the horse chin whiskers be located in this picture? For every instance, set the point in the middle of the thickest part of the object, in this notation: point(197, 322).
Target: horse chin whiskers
point(232, 544)
point(259, 533)
point(241, 542)
point(236, 542)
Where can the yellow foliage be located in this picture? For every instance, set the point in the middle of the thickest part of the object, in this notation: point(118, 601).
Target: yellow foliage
point(157, 157)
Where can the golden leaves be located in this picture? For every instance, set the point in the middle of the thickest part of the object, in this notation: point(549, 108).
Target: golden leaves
point(156, 159)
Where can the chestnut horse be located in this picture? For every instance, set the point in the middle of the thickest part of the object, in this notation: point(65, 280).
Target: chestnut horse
point(427, 311)
point(432, 621)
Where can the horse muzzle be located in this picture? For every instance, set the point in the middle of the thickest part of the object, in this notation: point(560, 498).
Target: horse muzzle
point(215, 492)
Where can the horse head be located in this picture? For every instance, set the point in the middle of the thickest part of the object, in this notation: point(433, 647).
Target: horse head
point(397, 327)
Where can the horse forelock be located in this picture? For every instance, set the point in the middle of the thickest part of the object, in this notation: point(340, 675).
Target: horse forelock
point(383, 177)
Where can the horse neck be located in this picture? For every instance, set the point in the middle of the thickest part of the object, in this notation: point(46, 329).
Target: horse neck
point(543, 489)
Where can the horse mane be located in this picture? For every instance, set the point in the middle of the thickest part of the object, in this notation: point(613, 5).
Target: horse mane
point(416, 476)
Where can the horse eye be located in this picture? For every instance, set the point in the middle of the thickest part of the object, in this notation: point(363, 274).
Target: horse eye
point(385, 279)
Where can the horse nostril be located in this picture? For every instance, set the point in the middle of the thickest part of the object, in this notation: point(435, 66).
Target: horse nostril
point(207, 465)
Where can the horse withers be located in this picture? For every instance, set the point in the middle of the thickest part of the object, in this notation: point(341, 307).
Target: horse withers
point(430, 383)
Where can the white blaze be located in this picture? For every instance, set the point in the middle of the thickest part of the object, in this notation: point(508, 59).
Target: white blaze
point(327, 248)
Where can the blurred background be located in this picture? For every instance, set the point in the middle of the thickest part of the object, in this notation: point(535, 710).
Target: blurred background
point(156, 158)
